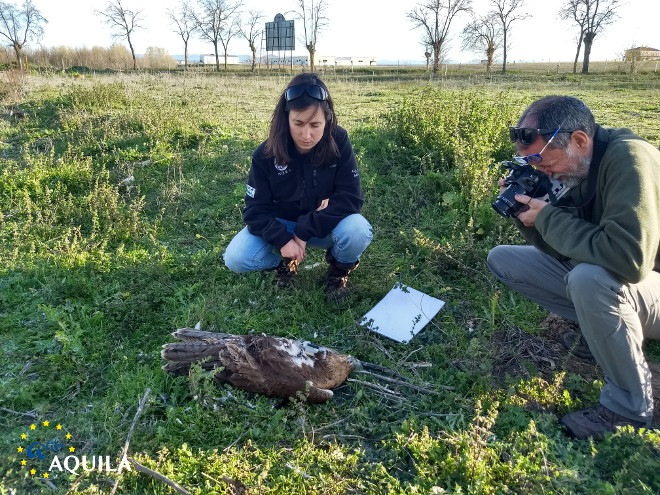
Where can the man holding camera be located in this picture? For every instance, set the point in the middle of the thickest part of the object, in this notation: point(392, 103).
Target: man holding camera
point(595, 252)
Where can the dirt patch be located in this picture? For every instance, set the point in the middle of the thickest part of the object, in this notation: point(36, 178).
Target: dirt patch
point(516, 350)
point(515, 347)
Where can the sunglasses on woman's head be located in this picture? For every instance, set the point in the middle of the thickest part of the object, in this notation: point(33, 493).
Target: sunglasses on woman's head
point(527, 135)
point(313, 91)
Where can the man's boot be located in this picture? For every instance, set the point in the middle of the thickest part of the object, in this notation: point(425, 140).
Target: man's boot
point(336, 278)
point(285, 272)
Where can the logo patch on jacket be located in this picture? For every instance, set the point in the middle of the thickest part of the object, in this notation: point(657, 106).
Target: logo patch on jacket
point(250, 191)
point(281, 167)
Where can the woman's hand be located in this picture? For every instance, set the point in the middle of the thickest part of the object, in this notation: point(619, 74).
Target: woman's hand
point(293, 250)
point(300, 242)
point(323, 204)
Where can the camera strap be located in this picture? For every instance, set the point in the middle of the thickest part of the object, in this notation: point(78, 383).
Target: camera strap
point(601, 140)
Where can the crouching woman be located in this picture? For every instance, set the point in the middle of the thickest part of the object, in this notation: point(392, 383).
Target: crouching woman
point(303, 191)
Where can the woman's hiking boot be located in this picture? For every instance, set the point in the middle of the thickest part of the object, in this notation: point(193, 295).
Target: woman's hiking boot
point(284, 273)
point(336, 278)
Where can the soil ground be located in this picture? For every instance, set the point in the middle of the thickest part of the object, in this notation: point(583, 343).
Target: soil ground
point(515, 347)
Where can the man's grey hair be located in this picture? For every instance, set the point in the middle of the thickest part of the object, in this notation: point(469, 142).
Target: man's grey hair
point(552, 111)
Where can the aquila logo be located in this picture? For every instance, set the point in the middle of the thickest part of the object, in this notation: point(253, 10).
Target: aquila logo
point(45, 450)
point(280, 167)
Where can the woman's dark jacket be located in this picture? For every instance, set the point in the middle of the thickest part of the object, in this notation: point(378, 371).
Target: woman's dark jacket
point(293, 191)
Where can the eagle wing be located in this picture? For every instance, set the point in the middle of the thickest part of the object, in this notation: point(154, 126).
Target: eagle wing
point(263, 364)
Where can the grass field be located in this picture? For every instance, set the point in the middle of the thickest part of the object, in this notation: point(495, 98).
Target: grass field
point(118, 195)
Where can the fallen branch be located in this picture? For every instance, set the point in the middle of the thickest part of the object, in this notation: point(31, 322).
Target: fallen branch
point(228, 447)
point(29, 414)
point(329, 425)
point(75, 483)
point(141, 404)
point(335, 435)
point(406, 384)
point(437, 415)
point(159, 477)
point(375, 386)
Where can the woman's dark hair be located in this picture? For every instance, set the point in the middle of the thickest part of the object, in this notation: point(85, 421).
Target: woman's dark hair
point(279, 140)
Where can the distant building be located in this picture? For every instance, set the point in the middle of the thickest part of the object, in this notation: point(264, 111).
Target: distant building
point(642, 53)
point(348, 61)
point(210, 59)
point(323, 61)
point(299, 60)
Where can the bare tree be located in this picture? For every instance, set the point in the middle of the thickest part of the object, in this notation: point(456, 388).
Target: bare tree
point(251, 31)
point(124, 21)
point(213, 22)
point(232, 28)
point(19, 25)
point(591, 16)
point(312, 14)
point(505, 11)
point(434, 18)
point(599, 15)
point(483, 34)
point(572, 10)
point(184, 25)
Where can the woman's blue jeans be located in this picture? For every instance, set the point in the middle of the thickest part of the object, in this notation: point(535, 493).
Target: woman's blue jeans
point(348, 240)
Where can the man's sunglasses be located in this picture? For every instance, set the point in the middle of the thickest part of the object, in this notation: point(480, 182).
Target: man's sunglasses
point(313, 90)
point(527, 135)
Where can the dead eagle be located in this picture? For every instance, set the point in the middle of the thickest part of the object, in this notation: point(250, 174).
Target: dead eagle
point(263, 364)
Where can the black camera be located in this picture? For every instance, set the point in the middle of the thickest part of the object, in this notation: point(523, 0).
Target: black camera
point(525, 179)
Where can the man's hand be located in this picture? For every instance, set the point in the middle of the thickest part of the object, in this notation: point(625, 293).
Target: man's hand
point(527, 215)
point(293, 250)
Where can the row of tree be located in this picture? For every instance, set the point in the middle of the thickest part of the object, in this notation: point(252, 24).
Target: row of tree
point(215, 21)
point(487, 33)
point(115, 57)
point(219, 21)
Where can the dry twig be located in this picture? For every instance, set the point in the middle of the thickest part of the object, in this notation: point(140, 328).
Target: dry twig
point(141, 404)
point(375, 386)
point(405, 384)
point(29, 414)
point(159, 477)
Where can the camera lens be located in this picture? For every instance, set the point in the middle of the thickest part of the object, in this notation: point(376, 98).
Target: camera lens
point(505, 204)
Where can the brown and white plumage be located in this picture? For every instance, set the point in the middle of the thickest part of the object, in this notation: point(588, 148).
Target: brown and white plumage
point(263, 364)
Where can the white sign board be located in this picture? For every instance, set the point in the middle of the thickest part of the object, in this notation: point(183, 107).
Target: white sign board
point(402, 313)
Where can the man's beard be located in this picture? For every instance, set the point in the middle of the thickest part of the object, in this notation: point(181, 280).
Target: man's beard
point(578, 175)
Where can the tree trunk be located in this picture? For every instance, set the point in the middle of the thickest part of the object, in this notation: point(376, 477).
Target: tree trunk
point(585, 60)
point(225, 60)
point(128, 38)
point(588, 41)
point(436, 57)
point(185, 56)
point(311, 50)
point(490, 52)
point(217, 57)
point(504, 54)
point(577, 54)
point(254, 56)
point(17, 50)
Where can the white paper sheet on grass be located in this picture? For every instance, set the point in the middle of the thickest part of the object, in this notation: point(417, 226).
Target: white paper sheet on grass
point(402, 313)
